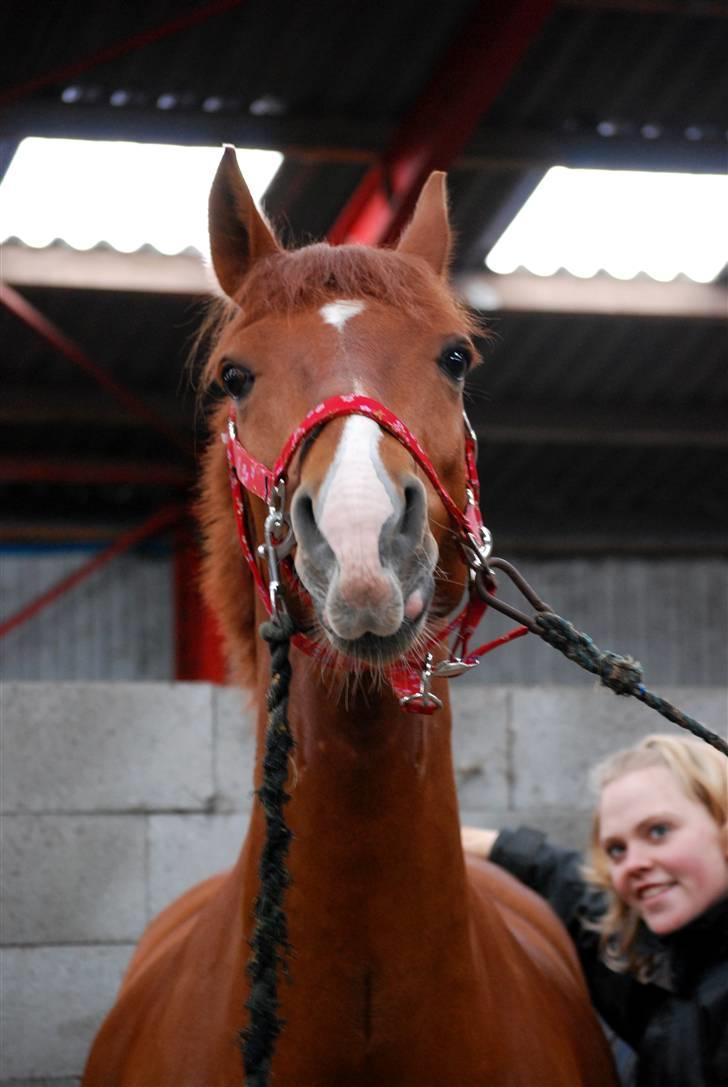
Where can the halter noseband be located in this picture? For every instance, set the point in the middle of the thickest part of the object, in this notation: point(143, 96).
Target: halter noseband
point(410, 677)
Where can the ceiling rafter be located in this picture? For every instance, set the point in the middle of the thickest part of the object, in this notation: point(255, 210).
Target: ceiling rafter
point(333, 140)
point(473, 70)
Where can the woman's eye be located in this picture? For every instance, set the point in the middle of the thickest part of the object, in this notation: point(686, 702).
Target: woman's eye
point(658, 830)
point(614, 851)
point(455, 361)
point(237, 381)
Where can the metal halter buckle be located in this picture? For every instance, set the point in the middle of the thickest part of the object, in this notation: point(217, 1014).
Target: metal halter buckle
point(424, 697)
point(275, 522)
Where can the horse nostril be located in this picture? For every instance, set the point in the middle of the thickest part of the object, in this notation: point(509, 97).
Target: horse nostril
point(308, 535)
point(302, 511)
point(303, 518)
point(413, 516)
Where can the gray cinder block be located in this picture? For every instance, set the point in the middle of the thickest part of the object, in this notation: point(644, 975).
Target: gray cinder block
point(234, 749)
point(72, 878)
point(185, 849)
point(106, 746)
point(53, 1001)
point(563, 826)
point(560, 733)
point(480, 745)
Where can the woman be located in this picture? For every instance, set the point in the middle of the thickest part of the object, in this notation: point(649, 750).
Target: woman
point(649, 914)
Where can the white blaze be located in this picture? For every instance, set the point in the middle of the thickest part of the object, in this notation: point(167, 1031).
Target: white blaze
point(338, 313)
point(353, 502)
point(354, 505)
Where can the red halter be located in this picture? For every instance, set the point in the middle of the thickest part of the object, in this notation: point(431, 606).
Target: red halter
point(410, 677)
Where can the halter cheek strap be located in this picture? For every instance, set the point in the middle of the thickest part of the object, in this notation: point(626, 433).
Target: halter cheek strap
point(410, 678)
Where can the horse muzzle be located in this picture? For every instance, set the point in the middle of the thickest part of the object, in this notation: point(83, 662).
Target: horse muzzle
point(366, 557)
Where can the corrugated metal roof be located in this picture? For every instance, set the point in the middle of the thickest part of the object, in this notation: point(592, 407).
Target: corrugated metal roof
point(597, 431)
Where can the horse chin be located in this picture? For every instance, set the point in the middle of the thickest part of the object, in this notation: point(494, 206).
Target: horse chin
point(377, 649)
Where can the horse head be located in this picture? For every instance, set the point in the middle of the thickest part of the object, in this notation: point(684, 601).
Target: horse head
point(374, 545)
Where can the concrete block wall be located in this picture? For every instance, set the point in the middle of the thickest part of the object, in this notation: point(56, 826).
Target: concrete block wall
point(118, 797)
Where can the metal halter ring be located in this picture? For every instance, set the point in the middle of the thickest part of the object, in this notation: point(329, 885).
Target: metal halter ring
point(478, 551)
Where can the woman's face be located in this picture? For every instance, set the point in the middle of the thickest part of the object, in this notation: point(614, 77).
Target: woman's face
point(668, 857)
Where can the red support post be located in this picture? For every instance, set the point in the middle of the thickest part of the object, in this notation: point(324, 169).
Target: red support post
point(199, 651)
point(473, 72)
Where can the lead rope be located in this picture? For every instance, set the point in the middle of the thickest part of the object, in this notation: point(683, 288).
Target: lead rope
point(623, 675)
point(269, 944)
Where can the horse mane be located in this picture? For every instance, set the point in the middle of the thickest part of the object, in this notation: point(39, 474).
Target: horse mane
point(279, 284)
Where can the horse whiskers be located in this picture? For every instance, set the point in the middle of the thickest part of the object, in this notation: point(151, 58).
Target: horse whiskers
point(442, 576)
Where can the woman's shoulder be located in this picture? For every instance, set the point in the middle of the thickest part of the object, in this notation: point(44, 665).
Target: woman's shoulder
point(698, 953)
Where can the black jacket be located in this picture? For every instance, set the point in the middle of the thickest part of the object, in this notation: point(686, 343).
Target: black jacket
point(680, 1032)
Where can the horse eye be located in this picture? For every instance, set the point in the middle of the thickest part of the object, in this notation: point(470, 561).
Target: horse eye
point(455, 361)
point(237, 381)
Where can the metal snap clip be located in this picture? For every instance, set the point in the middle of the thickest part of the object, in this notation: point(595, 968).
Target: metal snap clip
point(424, 698)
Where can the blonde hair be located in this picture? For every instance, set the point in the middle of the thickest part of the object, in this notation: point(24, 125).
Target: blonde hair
point(702, 773)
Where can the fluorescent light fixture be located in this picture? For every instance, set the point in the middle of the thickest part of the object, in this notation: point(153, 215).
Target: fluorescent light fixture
point(125, 194)
point(622, 221)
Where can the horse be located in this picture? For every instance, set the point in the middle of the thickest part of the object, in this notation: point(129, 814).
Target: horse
point(410, 964)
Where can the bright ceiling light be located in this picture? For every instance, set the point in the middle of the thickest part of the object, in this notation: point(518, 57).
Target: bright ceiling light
point(86, 192)
point(624, 222)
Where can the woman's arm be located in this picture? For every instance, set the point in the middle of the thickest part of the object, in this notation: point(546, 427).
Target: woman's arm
point(555, 874)
point(478, 840)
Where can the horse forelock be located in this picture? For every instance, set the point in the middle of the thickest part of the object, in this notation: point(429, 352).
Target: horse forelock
point(310, 277)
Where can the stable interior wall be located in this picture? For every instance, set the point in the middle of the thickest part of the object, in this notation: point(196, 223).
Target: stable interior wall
point(117, 797)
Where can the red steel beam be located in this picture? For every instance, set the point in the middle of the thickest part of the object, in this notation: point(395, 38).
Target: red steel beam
point(17, 470)
point(32, 317)
point(473, 72)
point(118, 49)
point(163, 519)
point(199, 651)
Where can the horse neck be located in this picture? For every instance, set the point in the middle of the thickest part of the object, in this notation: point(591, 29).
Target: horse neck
point(374, 815)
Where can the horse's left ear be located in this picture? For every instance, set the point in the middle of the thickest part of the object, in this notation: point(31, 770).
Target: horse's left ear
point(239, 234)
point(428, 234)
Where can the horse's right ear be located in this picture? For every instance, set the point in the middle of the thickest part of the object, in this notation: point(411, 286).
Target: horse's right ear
point(239, 234)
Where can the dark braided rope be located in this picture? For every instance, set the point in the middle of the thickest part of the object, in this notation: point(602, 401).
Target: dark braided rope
point(269, 944)
point(622, 674)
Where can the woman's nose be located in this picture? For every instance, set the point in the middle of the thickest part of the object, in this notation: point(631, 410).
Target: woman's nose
point(638, 858)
